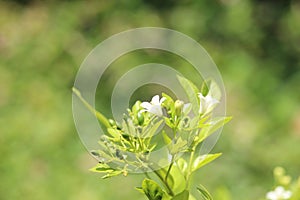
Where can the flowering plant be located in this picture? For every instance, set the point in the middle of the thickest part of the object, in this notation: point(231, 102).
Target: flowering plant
point(285, 189)
point(171, 129)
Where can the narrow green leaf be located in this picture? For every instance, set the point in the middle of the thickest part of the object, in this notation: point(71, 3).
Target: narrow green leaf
point(131, 127)
point(192, 92)
point(205, 194)
point(179, 179)
point(182, 166)
point(166, 138)
point(99, 115)
point(187, 108)
point(203, 160)
point(168, 122)
point(182, 196)
point(102, 168)
point(114, 133)
point(168, 100)
point(179, 146)
point(112, 174)
point(152, 130)
point(211, 127)
point(205, 87)
point(140, 189)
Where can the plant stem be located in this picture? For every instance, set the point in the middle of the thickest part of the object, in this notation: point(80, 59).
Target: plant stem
point(165, 183)
point(170, 192)
point(169, 169)
point(147, 175)
point(190, 167)
point(173, 156)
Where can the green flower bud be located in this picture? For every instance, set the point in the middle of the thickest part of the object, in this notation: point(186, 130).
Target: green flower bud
point(279, 172)
point(136, 107)
point(285, 180)
point(125, 173)
point(140, 117)
point(178, 107)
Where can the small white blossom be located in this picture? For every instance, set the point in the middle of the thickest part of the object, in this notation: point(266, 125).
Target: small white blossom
point(279, 194)
point(207, 103)
point(154, 106)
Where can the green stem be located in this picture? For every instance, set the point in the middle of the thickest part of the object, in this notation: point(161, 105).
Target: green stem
point(169, 169)
point(170, 192)
point(188, 177)
point(173, 156)
point(165, 183)
point(147, 175)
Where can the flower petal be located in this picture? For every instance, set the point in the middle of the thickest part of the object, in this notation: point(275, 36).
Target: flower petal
point(162, 100)
point(287, 194)
point(156, 109)
point(271, 196)
point(155, 100)
point(146, 105)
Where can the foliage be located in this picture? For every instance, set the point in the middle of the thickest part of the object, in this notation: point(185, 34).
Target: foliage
point(284, 186)
point(128, 145)
point(255, 44)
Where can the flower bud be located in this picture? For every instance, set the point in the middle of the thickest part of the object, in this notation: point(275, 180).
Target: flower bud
point(125, 172)
point(285, 180)
point(136, 107)
point(279, 172)
point(178, 107)
point(140, 117)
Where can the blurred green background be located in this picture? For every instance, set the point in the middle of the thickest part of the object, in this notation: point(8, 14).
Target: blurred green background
point(255, 44)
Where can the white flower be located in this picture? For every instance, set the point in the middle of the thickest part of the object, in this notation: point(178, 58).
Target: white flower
point(154, 106)
point(207, 103)
point(279, 194)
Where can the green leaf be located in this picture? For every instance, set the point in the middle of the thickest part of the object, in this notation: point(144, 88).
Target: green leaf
point(102, 168)
point(99, 115)
point(169, 123)
point(203, 160)
point(152, 190)
point(168, 98)
point(192, 92)
point(204, 192)
point(205, 87)
point(182, 196)
point(182, 166)
point(136, 107)
point(211, 127)
point(111, 174)
point(162, 173)
point(168, 102)
point(150, 132)
point(179, 146)
point(140, 189)
point(179, 181)
point(166, 138)
point(192, 197)
point(114, 133)
point(131, 127)
point(187, 108)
